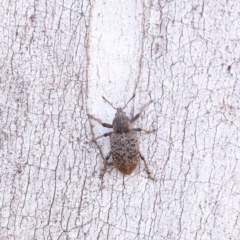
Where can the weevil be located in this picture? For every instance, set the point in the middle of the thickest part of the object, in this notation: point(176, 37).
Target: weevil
point(124, 140)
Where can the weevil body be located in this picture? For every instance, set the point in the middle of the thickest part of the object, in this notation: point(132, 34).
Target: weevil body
point(125, 151)
point(124, 141)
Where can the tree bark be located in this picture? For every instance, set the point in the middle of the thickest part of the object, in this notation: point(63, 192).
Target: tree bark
point(58, 58)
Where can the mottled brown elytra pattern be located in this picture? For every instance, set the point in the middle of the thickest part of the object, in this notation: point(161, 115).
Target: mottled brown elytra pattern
point(125, 151)
point(124, 141)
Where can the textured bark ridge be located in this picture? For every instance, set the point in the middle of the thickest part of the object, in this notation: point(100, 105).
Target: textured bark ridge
point(57, 60)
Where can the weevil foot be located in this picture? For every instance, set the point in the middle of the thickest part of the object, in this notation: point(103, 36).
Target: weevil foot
point(104, 169)
point(151, 177)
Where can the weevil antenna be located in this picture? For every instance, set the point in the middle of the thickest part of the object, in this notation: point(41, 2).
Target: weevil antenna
point(108, 102)
point(129, 100)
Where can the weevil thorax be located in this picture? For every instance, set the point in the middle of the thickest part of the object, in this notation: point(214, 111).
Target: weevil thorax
point(121, 122)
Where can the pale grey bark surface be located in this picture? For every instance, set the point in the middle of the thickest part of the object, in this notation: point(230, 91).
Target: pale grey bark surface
point(58, 58)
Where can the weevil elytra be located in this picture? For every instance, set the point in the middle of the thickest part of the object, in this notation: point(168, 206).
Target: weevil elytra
point(124, 141)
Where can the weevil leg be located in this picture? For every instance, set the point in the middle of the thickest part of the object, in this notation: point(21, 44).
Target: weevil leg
point(105, 163)
point(141, 110)
point(144, 130)
point(107, 125)
point(103, 135)
point(147, 168)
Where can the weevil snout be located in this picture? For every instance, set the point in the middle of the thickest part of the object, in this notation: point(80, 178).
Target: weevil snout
point(120, 112)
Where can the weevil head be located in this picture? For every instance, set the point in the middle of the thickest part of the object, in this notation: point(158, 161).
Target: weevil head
point(121, 122)
point(120, 112)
